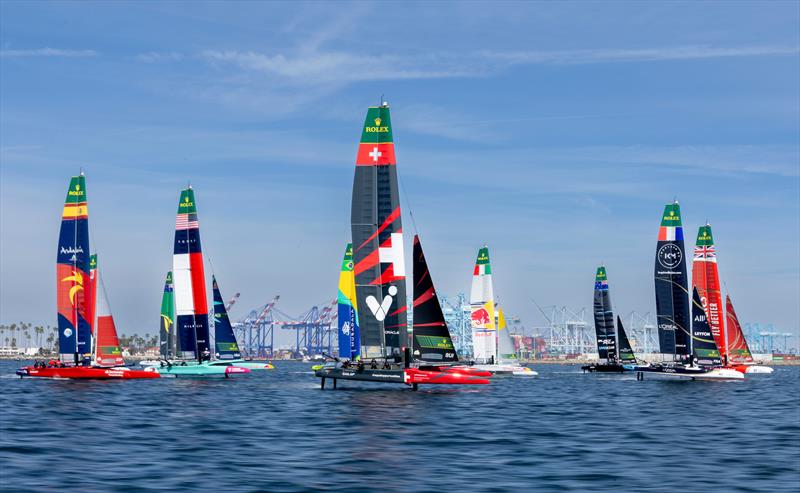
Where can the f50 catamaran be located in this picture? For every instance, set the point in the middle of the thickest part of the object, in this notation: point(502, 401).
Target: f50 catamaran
point(373, 335)
point(87, 337)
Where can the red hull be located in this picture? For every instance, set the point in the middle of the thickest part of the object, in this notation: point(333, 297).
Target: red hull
point(86, 372)
point(415, 376)
point(465, 370)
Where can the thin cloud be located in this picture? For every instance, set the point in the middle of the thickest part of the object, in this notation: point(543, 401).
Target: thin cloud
point(633, 55)
point(48, 52)
point(158, 56)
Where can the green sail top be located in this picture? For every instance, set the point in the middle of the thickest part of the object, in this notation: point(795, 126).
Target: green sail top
point(347, 262)
point(186, 204)
point(483, 256)
point(377, 126)
point(93, 262)
point(704, 237)
point(601, 274)
point(169, 277)
point(672, 215)
point(77, 190)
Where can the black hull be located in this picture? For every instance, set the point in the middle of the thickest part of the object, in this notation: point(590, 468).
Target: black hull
point(604, 368)
point(365, 375)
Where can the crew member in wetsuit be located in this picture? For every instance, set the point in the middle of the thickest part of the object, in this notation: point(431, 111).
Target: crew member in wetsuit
point(373, 364)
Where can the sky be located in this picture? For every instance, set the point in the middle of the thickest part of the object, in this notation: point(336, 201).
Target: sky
point(554, 132)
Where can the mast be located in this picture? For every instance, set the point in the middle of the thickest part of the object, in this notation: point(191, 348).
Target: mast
point(349, 334)
point(167, 337)
point(672, 301)
point(705, 278)
point(431, 338)
point(603, 317)
point(224, 339)
point(481, 300)
point(188, 277)
point(72, 275)
point(377, 234)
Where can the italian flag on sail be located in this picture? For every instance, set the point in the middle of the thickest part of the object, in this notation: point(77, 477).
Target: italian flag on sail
point(671, 228)
point(376, 147)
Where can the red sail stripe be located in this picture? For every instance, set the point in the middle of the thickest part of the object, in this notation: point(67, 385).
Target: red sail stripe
point(389, 220)
point(367, 262)
point(426, 296)
point(198, 283)
point(431, 324)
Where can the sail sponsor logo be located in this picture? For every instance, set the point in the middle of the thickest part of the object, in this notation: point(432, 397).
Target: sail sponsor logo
point(700, 318)
point(77, 192)
point(666, 326)
point(377, 128)
point(670, 256)
point(672, 217)
point(77, 285)
point(72, 250)
point(186, 203)
point(381, 309)
point(480, 317)
point(346, 328)
point(67, 332)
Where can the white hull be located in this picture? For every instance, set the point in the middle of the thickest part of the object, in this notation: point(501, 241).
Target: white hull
point(715, 374)
point(758, 370)
point(515, 370)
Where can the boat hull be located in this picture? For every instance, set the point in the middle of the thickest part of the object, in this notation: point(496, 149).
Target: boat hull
point(754, 369)
point(253, 365)
point(605, 368)
point(213, 369)
point(689, 373)
point(512, 370)
point(407, 376)
point(86, 373)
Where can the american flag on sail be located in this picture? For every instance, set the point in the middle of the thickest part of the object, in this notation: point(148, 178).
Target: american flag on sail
point(186, 221)
point(705, 252)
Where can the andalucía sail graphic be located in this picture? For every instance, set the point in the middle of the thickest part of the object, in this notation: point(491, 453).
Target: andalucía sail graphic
point(432, 340)
point(108, 352)
point(189, 280)
point(349, 334)
point(738, 350)
point(224, 338)
point(604, 317)
point(672, 291)
point(705, 279)
point(704, 349)
point(167, 339)
point(481, 300)
point(378, 239)
point(72, 275)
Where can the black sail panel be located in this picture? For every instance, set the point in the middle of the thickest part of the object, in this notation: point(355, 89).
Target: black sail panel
point(377, 231)
point(432, 341)
point(671, 284)
point(704, 349)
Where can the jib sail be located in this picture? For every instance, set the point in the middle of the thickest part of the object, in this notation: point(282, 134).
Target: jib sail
point(704, 348)
point(506, 353)
point(626, 354)
point(72, 275)
point(378, 239)
point(224, 338)
point(107, 351)
point(432, 340)
point(672, 292)
point(738, 350)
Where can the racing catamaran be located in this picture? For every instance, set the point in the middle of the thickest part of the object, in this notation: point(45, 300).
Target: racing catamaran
point(87, 338)
point(193, 355)
point(379, 306)
point(492, 347)
point(609, 345)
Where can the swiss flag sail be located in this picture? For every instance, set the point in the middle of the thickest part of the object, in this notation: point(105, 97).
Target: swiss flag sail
point(377, 231)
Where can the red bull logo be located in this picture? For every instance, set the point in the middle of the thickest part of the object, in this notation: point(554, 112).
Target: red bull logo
point(480, 317)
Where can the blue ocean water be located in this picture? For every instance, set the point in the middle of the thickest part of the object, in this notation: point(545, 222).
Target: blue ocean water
point(278, 432)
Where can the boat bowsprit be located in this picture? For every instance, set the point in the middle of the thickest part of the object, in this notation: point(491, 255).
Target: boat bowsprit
point(84, 372)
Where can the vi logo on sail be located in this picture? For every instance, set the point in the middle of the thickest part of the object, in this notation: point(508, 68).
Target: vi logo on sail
point(381, 309)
